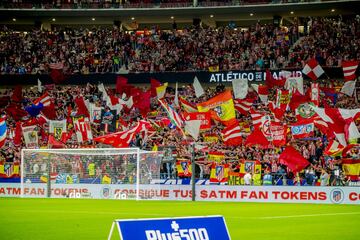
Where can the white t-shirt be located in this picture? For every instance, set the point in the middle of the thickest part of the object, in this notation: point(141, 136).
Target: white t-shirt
point(247, 179)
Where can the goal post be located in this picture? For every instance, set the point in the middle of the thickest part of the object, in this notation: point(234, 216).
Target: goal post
point(118, 173)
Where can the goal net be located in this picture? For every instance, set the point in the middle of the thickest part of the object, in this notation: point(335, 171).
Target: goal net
point(121, 173)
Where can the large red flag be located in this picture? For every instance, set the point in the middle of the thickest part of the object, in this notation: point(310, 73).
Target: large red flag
point(81, 107)
point(18, 134)
point(232, 135)
point(293, 159)
point(349, 68)
point(15, 111)
point(154, 84)
point(257, 138)
point(271, 82)
point(17, 94)
point(121, 82)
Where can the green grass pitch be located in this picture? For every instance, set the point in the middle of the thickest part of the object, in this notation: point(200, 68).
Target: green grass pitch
point(53, 219)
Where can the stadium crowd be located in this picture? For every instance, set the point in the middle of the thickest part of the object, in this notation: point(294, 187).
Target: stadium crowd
point(165, 135)
point(100, 50)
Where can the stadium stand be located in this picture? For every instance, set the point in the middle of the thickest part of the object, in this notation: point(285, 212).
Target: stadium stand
point(329, 42)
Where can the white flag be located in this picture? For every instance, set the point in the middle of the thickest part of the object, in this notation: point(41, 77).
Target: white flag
point(198, 88)
point(39, 86)
point(240, 88)
point(348, 88)
point(293, 83)
point(193, 128)
point(176, 100)
point(30, 136)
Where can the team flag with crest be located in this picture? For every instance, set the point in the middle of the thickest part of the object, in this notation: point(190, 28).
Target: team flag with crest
point(30, 134)
point(219, 173)
point(249, 166)
point(57, 128)
point(221, 108)
point(183, 168)
point(302, 129)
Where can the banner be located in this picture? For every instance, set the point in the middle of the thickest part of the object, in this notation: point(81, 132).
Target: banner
point(108, 120)
point(57, 128)
point(302, 130)
point(83, 129)
point(31, 136)
point(95, 113)
point(275, 194)
point(278, 131)
point(205, 118)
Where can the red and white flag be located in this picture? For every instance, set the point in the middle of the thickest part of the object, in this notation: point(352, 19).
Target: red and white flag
point(315, 94)
point(232, 135)
point(262, 91)
point(173, 115)
point(188, 107)
point(243, 106)
point(123, 139)
point(30, 134)
point(83, 129)
point(349, 68)
point(333, 148)
point(45, 99)
point(341, 122)
point(312, 69)
point(256, 118)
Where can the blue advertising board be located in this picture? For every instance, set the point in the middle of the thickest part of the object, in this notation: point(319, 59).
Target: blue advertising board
point(181, 228)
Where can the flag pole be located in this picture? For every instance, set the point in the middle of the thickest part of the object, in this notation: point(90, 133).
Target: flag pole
point(355, 93)
point(193, 195)
point(162, 104)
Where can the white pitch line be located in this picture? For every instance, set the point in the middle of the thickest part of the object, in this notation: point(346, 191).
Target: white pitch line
point(310, 215)
point(89, 212)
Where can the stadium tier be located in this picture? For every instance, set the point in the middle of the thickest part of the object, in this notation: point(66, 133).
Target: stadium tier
point(179, 119)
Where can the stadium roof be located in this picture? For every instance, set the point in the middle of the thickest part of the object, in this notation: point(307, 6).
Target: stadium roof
point(181, 15)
